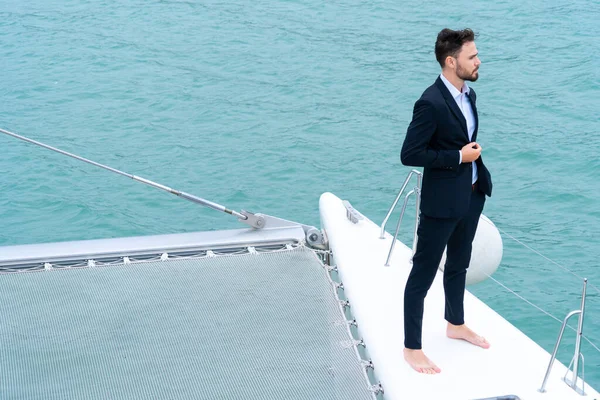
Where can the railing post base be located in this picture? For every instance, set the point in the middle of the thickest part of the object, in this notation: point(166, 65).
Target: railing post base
point(575, 360)
point(576, 388)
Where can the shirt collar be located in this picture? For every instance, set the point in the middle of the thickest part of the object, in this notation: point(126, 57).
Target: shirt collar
point(453, 90)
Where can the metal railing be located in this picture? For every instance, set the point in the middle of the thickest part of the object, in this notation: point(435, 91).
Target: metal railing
point(575, 361)
point(417, 192)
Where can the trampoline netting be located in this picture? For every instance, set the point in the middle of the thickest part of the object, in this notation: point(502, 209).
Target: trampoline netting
point(249, 326)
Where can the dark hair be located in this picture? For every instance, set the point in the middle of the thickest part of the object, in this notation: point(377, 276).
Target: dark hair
point(450, 42)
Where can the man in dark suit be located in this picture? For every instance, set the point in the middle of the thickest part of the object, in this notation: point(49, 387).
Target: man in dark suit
point(442, 138)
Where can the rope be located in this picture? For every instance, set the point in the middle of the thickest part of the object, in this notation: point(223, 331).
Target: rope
point(543, 256)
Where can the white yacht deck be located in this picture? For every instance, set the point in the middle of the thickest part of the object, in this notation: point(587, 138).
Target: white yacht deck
point(514, 365)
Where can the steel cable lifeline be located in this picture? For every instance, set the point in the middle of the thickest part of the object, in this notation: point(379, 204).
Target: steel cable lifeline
point(534, 305)
point(255, 222)
point(542, 310)
point(547, 258)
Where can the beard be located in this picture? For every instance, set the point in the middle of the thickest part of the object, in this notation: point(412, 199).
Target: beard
point(465, 75)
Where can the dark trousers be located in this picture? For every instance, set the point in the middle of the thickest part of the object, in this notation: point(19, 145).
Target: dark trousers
point(434, 234)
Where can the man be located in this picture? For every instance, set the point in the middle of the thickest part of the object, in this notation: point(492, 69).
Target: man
point(442, 138)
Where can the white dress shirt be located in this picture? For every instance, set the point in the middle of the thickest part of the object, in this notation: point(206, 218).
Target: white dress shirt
point(465, 106)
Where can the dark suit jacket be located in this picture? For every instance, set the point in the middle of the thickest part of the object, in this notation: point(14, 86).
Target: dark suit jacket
point(437, 132)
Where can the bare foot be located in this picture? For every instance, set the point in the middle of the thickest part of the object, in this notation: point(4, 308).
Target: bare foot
point(420, 362)
point(464, 333)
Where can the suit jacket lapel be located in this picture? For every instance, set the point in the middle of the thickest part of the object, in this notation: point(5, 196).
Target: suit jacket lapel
point(452, 105)
point(472, 99)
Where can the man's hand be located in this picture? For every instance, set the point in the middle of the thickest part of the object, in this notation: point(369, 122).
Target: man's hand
point(470, 152)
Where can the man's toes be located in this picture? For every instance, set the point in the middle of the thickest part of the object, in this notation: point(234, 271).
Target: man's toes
point(484, 343)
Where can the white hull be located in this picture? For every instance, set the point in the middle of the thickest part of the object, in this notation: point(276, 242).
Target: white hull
point(514, 365)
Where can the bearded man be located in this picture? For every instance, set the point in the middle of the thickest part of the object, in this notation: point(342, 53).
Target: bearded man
point(442, 138)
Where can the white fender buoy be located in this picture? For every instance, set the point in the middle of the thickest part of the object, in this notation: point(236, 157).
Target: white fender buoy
point(486, 254)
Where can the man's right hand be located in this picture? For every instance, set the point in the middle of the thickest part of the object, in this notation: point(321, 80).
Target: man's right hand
point(470, 152)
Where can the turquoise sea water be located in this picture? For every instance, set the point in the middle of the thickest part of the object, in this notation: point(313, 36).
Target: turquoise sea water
point(264, 105)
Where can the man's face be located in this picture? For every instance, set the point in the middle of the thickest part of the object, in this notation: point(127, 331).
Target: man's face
point(467, 63)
